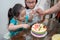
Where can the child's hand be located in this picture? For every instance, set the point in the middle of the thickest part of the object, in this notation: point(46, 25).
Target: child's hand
point(33, 12)
point(31, 15)
point(25, 26)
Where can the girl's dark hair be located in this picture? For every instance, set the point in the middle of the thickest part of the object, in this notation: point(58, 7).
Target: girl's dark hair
point(27, 6)
point(15, 11)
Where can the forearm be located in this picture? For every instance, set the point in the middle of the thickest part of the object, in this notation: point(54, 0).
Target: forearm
point(53, 9)
point(14, 27)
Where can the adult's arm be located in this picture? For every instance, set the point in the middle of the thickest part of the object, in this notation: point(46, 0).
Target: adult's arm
point(53, 9)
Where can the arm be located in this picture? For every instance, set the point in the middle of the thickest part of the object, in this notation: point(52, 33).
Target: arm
point(15, 27)
point(53, 9)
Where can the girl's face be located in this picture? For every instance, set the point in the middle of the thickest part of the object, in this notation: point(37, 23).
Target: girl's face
point(22, 15)
point(30, 3)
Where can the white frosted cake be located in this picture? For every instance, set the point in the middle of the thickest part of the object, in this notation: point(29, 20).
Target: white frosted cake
point(38, 29)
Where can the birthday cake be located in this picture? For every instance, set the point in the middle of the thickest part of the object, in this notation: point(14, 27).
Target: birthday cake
point(39, 30)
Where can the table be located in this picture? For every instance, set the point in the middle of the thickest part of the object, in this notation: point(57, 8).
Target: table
point(52, 28)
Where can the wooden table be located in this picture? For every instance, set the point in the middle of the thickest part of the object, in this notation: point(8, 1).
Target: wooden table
point(53, 27)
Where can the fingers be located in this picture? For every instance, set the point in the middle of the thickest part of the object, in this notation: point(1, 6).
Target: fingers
point(40, 11)
point(26, 26)
point(33, 12)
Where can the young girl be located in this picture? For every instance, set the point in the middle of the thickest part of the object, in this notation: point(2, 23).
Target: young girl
point(15, 14)
point(32, 8)
point(30, 4)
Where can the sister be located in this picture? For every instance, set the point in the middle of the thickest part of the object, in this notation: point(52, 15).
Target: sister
point(15, 14)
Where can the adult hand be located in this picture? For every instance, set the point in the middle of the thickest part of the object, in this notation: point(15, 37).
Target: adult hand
point(40, 11)
point(41, 14)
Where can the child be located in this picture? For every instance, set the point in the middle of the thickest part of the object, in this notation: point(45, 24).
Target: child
point(32, 7)
point(15, 14)
point(30, 4)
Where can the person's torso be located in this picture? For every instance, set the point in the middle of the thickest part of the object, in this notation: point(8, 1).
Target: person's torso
point(35, 19)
